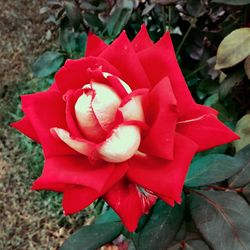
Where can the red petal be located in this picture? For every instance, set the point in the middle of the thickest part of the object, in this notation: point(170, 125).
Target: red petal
point(75, 171)
point(71, 98)
point(121, 54)
point(56, 187)
point(206, 130)
point(76, 73)
point(44, 111)
point(161, 176)
point(168, 200)
point(95, 45)
point(125, 200)
point(77, 198)
point(25, 127)
point(132, 105)
point(161, 116)
point(80, 145)
point(121, 88)
point(142, 40)
point(160, 61)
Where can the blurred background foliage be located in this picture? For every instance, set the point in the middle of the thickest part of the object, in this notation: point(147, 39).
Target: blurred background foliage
point(197, 28)
point(212, 43)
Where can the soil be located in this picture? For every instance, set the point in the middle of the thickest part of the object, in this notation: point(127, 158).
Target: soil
point(25, 223)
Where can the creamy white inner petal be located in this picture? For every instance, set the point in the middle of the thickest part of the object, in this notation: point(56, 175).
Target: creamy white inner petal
point(122, 144)
point(124, 84)
point(79, 146)
point(133, 109)
point(95, 110)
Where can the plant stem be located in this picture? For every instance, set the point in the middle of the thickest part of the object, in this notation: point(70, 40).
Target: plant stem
point(196, 70)
point(169, 18)
point(184, 38)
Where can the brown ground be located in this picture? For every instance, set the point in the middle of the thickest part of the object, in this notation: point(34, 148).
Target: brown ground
point(25, 221)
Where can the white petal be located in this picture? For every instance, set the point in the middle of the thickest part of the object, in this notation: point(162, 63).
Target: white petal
point(122, 144)
point(124, 84)
point(86, 118)
point(105, 104)
point(79, 146)
point(133, 109)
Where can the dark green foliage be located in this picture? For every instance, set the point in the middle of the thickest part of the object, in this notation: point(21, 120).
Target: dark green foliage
point(92, 237)
point(243, 176)
point(47, 63)
point(222, 218)
point(161, 228)
point(211, 169)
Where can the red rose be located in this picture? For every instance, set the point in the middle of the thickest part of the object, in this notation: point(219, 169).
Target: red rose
point(120, 123)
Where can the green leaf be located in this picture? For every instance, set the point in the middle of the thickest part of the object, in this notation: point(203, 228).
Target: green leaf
point(47, 63)
point(246, 192)
point(210, 169)
point(161, 227)
point(93, 236)
point(93, 21)
point(196, 245)
point(109, 216)
point(190, 245)
point(233, 49)
point(242, 178)
point(233, 2)
point(243, 130)
point(74, 13)
point(82, 42)
point(119, 18)
point(222, 218)
point(67, 40)
point(208, 86)
point(211, 100)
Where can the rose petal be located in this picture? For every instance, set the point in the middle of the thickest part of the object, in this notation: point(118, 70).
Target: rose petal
point(25, 127)
point(142, 40)
point(105, 104)
point(205, 129)
point(161, 176)
point(52, 186)
point(86, 117)
point(132, 106)
point(125, 201)
point(76, 73)
point(77, 198)
point(71, 98)
point(161, 116)
point(80, 145)
point(118, 84)
point(160, 61)
point(121, 145)
point(168, 200)
point(44, 111)
point(95, 45)
point(147, 198)
point(126, 62)
point(76, 171)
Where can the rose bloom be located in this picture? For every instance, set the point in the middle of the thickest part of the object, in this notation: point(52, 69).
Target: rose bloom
point(120, 124)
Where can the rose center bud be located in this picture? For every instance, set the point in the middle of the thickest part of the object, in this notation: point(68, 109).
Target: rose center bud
point(95, 110)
